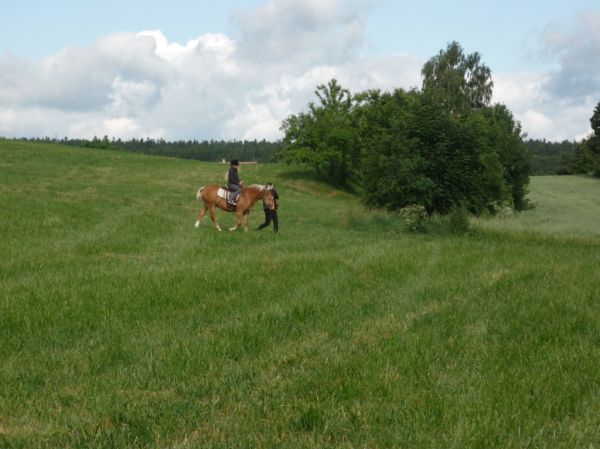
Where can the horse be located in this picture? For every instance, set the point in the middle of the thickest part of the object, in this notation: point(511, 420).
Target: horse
point(250, 195)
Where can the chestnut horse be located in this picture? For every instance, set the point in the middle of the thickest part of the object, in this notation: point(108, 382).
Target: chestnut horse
point(250, 195)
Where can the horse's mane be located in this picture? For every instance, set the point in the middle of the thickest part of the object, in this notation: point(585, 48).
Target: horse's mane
point(258, 187)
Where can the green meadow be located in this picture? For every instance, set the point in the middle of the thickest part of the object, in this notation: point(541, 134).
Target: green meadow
point(563, 205)
point(123, 326)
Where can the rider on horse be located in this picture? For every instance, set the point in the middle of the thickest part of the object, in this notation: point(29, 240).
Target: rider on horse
point(233, 181)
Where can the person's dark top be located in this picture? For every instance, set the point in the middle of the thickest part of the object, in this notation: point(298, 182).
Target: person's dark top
point(233, 177)
point(275, 198)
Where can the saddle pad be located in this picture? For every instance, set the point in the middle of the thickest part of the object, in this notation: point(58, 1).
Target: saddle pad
point(222, 193)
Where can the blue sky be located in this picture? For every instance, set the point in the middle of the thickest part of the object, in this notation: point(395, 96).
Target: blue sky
point(507, 32)
point(235, 69)
point(35, 28)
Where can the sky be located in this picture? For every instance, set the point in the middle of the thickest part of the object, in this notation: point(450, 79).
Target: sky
point(234, 69)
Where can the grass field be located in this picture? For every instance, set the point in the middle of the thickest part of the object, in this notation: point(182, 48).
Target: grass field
point(563, 205)
point(123, 326)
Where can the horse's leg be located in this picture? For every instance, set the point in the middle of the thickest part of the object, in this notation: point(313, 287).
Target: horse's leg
point(213, 216)
point(201, 215)
point(238, 220)
point(246, 216)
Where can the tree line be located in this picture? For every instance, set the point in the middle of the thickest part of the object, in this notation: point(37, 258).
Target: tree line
point(440, 147)
point(261, 151)
point(566, 157)
point(549, 158)
point(585, 159)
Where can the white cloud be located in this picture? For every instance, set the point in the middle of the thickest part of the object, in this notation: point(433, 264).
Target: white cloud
point(542, 114)
point(167, 50)
point(537, 123)
point(577, 49)
point(213, 86)
point(557, 104)
point(518, 89)
point(243, 85)
point(302, 31)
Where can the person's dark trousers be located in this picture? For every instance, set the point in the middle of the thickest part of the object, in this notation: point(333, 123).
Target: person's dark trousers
point(270, 215)
point(235, 192)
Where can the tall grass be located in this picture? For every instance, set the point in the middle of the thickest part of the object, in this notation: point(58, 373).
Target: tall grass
point(565, 205)
point(121, 325)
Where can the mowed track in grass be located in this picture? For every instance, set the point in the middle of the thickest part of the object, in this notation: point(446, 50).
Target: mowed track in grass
point(121, 325)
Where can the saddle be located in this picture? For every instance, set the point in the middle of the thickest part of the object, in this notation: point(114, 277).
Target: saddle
point(227, 195)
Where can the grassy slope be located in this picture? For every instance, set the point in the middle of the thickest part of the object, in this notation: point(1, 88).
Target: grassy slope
point(123, 326)
point(568, 205)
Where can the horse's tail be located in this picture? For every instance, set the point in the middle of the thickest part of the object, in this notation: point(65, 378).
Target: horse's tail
point(199, 194)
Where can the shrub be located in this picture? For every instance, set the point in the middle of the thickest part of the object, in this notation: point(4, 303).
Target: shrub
point(415, 217)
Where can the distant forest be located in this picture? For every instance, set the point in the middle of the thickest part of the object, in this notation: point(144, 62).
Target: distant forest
point(551, 158)
point(205, 150)
point(548, 158)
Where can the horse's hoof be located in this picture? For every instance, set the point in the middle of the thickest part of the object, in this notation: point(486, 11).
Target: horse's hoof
point(232, 229)
point(197, 225)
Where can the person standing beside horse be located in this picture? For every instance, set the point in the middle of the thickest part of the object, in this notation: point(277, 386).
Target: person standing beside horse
point(233, 181)
point(270, 208)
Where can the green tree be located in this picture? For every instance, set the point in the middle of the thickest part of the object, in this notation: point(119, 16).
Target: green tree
point(550, 158)
point(457, 80)
point(443, 147)
point(464, 164)
point(595, 121)
point(586, 157)
point(324, 138)
point(593, 143)
point(505, 137)
point(580, 161)
point(394, 169)
point(416, 152)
